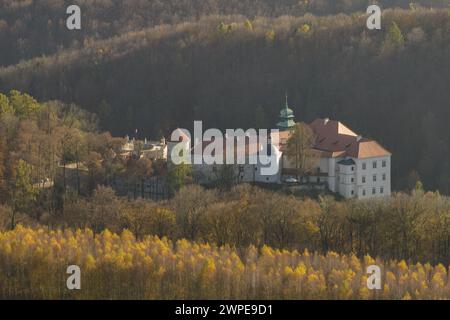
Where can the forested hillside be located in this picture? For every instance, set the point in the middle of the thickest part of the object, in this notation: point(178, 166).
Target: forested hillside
point(233, 71)
point(31, 28)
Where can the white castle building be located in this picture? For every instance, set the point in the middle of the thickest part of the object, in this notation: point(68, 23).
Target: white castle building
point(348, 164)
point(353, 166)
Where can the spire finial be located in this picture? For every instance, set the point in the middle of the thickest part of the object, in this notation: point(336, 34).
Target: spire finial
point(286, 100)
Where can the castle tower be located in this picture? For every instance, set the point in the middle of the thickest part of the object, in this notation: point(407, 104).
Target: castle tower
point(286, 118)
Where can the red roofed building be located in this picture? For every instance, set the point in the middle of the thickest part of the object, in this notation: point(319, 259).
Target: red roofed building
point(351, 165)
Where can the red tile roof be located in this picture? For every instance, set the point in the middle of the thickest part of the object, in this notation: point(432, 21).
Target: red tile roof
point(334, 139)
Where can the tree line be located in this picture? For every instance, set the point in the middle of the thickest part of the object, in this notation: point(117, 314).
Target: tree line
point(414, 226)
point(34, 28)
point(51, 152)
point(119, 266)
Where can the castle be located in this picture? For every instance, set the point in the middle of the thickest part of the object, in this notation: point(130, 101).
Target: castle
point(352, 166)
point(347, 164)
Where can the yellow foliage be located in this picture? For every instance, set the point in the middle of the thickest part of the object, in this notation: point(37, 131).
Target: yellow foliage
point(391, 276)
point(368, 260)
point(159, 269)
point(270, 35)
point(402, 265)
point(407, 296)
point(304, 29)
point(300, 270)
point(90, 261)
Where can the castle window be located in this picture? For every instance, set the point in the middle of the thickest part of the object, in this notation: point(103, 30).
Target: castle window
point(374, 178)
point(364, 192)
point(353, 168)
point(384, 176)
point(383, 164)
point(364, 179)
point(353, 179)
point(381, 190)
point(353, 192)
point(374, 164)
point(364, 166)
point(374, 190)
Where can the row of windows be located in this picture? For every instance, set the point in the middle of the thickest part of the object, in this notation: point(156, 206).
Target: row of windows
point(374, 191)
point(374, 164)
point(374, 178)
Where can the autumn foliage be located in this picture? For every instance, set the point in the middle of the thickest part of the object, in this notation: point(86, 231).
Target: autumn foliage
point(33, 264)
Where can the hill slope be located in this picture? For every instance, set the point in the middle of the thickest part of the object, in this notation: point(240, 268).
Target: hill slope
point(391, 85)
point(33, 28)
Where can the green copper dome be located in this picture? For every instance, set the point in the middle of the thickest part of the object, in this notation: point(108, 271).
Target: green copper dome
point(286, 112)
point(286, 118)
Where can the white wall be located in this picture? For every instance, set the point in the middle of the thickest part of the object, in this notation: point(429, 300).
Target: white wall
point(332, 176)
point(249, 172)
point(347, 180)
point(382, 187)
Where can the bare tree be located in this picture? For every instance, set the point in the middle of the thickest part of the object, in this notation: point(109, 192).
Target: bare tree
point(300, 151)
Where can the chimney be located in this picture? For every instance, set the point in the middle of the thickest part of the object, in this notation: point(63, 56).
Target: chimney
point(326, 120)
point(358, 138)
